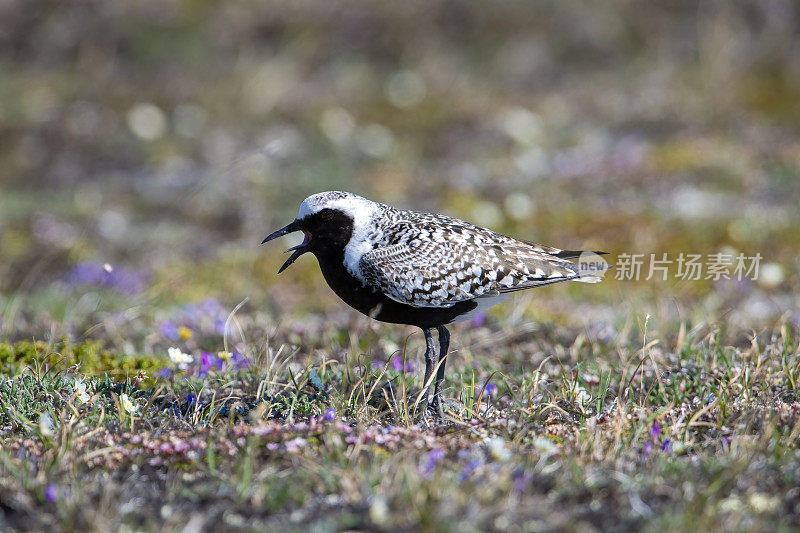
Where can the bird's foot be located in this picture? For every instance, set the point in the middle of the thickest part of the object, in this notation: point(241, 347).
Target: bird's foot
point(436, 410)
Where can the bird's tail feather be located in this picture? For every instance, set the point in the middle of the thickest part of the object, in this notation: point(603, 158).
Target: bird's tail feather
point(572, 254)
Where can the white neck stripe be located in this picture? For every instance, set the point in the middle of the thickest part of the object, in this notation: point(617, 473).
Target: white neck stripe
point(360, 210)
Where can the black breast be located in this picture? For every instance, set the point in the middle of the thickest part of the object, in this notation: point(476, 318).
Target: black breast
point(376, 305)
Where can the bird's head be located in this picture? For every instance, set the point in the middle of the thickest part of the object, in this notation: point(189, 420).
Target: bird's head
point(329, 221)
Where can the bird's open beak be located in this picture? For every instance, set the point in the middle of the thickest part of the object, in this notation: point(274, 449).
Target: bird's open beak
point(299, 250)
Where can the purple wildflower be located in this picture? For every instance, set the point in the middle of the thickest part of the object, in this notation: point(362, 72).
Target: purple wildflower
point(205, 364)
point(165, 373)
point(169, 330)
point(122, 279)
point(51, 493)
point(191, 313)
point(648, 446)
point(655, 431)
point(743, 285)
point(240, 361)
point(128, 281)
point(211, 307)
point(399, 365)
point(601, 332)
point(206, 316)
point(433, 458)
point(377, 364)
point(87, 273)
point(295, 444)
point(666, 447)
point(436, 455)
point(520, 480)
point(478, 319)
point(468, 469)
point(491, 389)
point(330, 415)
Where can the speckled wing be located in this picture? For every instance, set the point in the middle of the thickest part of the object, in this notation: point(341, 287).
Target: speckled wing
point(436, 261)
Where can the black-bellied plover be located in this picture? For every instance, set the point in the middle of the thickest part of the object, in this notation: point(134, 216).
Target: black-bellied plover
point(421, 269)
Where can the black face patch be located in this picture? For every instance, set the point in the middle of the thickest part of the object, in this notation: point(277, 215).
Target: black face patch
point(330, 230)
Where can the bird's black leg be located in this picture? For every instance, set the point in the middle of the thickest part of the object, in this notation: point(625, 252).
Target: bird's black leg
point(444, 345)
point(430, 360)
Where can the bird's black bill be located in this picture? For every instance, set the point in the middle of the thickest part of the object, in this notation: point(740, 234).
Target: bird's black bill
point(298, 250)
point(289, 228)
point(297, 253)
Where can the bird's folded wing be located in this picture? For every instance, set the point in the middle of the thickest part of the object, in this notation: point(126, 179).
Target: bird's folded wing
point(424, 272)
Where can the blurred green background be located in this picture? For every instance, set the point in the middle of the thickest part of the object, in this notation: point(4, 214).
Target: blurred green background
point(147, 147)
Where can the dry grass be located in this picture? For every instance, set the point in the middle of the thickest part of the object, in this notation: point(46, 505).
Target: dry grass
point(615, 435)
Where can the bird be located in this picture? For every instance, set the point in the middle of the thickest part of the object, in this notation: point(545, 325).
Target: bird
point(421, 269)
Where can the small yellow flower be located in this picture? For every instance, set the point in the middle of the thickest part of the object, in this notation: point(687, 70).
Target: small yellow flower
point(184, 333)
point(127, 404)
point(224, 355)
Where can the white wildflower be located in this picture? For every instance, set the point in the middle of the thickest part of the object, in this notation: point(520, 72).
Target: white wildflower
point(179, 358)
point(80, 391)
point(582, 396)
point(47, 426)
point(544, 446)
point(127, 404)
point(379, 511)
point(764, 503)
point(498, 449)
